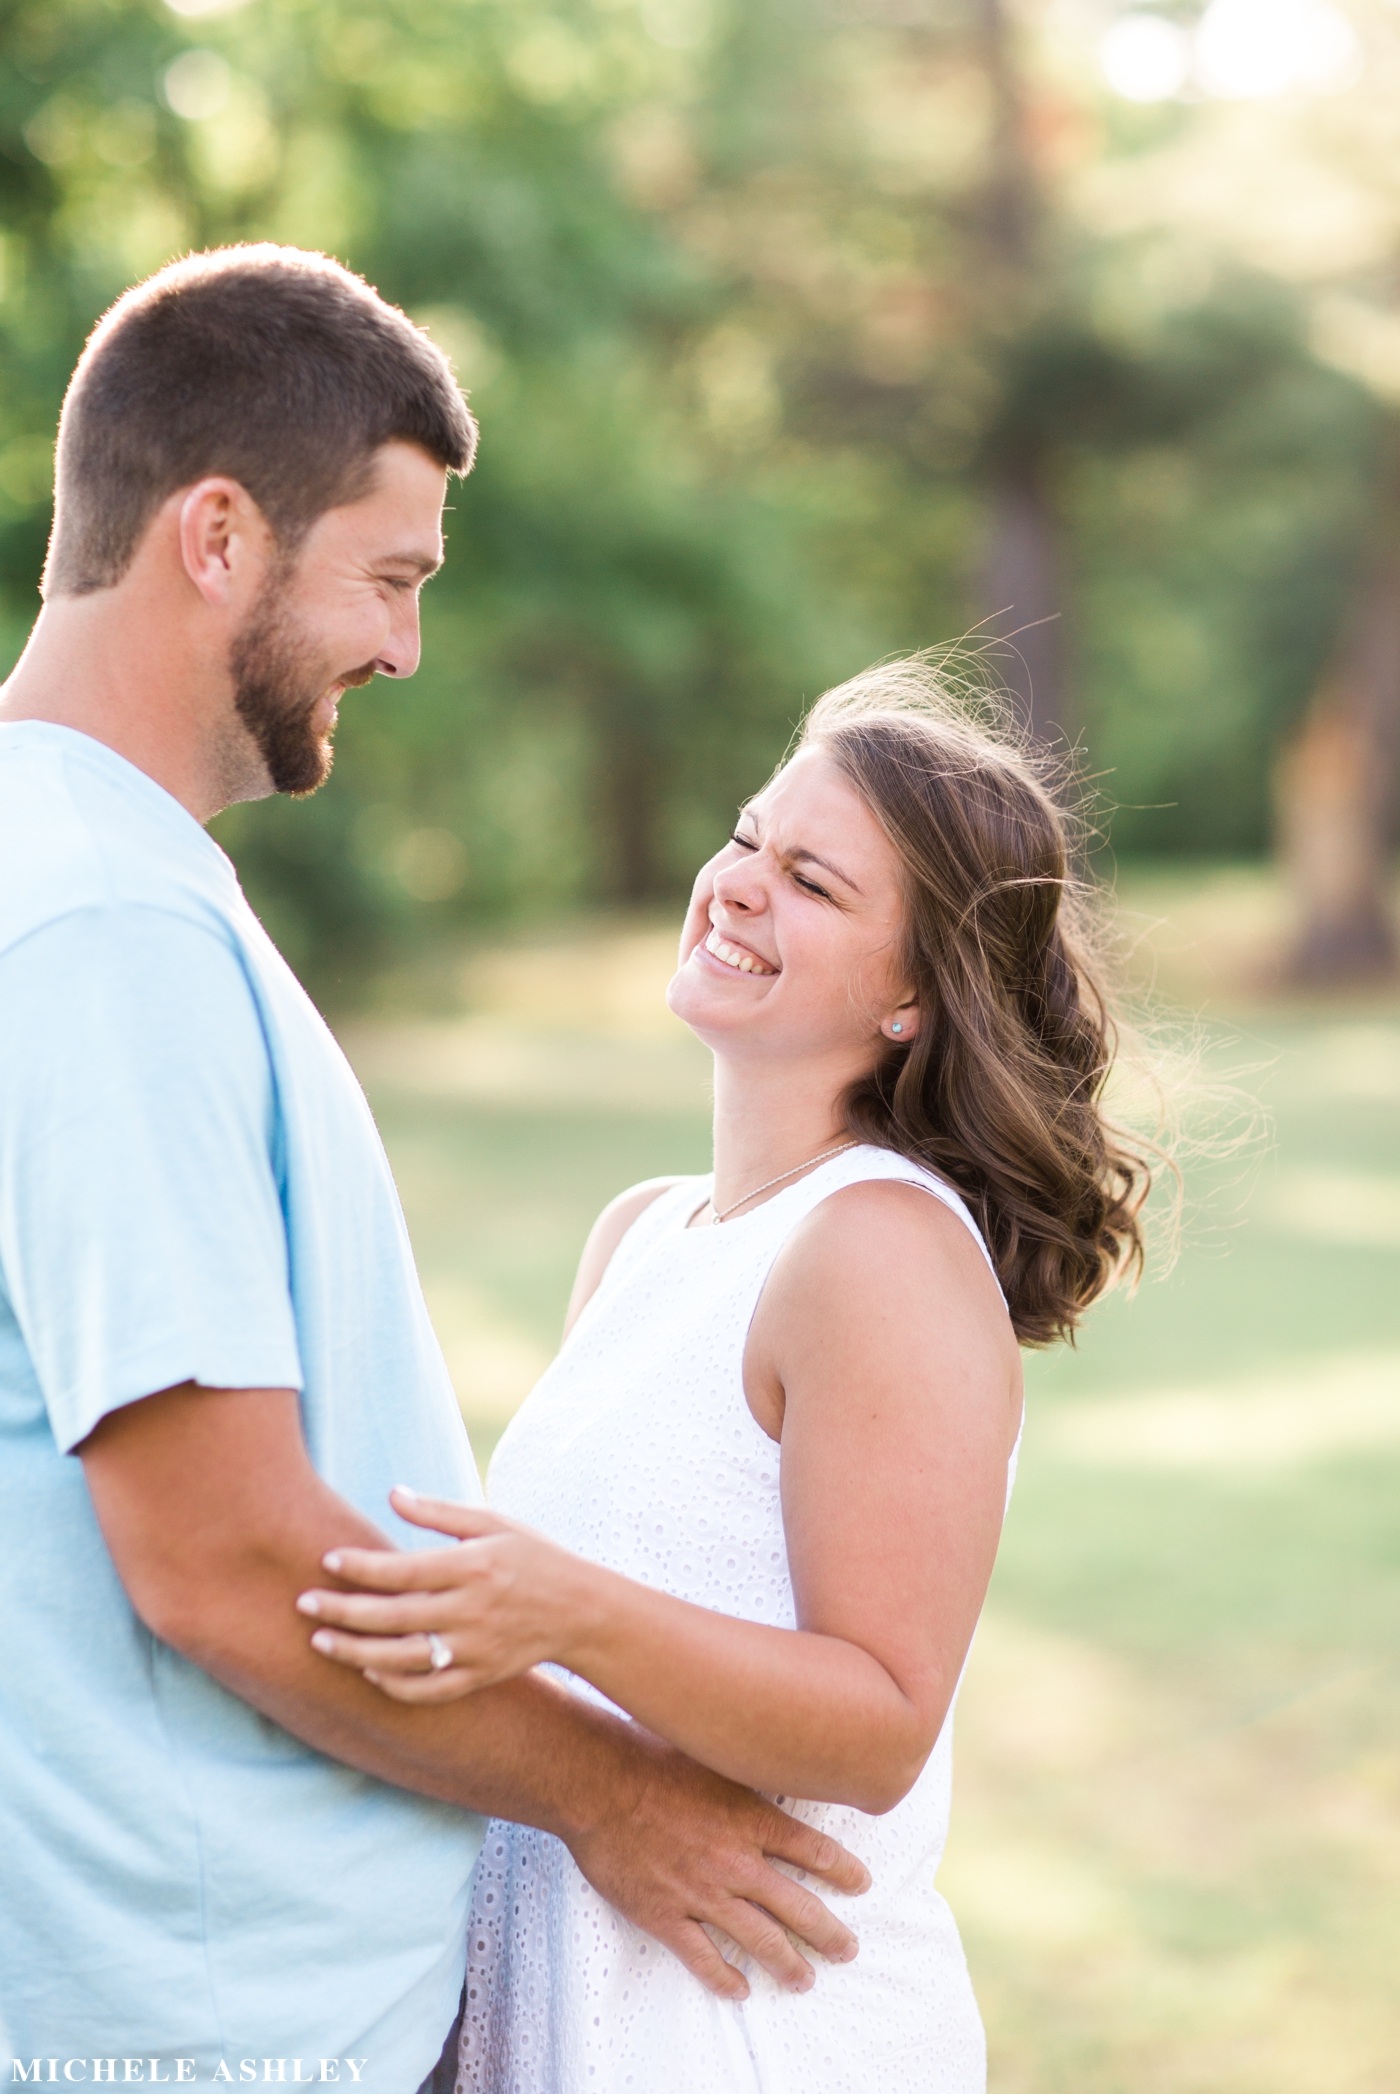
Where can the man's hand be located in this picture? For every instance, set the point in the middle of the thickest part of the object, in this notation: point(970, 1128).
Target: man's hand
point(216, 1520)
point(686, 1846)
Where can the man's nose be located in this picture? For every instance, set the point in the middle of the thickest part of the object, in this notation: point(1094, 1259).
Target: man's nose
point(402, 651)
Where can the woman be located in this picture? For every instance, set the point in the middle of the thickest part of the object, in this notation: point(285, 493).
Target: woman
point(759, 1492)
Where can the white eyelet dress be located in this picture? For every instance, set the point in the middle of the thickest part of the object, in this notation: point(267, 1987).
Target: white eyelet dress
point(637, 1449)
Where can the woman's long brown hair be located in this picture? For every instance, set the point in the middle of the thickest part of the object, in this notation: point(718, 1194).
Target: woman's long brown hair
point(1001, 1089)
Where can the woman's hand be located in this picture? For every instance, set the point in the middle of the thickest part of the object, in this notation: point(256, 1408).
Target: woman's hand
point(434, 1624)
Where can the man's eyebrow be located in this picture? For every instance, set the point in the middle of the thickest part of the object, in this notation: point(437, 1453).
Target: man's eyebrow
point(421, 563)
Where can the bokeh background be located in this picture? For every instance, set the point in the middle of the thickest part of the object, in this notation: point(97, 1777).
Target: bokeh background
point(801, 332)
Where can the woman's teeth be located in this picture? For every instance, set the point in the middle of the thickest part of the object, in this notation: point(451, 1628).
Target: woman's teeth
point(732, 957)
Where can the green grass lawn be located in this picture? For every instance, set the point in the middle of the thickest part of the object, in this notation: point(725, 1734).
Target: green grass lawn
point(1177, 1840)
point(1176, 1836)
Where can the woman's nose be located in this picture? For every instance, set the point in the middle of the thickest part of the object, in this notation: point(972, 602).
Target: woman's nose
point(740, 885)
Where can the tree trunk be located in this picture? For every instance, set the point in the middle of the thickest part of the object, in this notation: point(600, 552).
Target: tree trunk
point(1021, 594)
point(1335, 794)
point(1021, 577)
point(631, 787)
point(1010, 207)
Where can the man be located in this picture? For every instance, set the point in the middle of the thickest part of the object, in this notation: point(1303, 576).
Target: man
point(218, 1846)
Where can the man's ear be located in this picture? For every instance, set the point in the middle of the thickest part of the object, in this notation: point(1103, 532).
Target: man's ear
point(225, 543)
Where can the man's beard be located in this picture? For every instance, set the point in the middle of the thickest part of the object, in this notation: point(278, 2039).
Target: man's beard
point(278, 683)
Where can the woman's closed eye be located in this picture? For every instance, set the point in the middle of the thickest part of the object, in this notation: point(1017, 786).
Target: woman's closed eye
point(750, 843)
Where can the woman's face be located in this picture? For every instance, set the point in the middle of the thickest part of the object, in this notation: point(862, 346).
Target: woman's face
point(791, 946)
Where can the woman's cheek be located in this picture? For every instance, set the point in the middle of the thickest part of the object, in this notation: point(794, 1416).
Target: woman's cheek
point(697, 921)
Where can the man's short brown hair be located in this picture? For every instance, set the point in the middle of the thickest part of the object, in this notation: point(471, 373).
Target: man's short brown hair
point(270, 366)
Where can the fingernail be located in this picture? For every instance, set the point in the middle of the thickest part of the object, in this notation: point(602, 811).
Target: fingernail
point(331, 1562)
point(308, 1604)
point(323, 1641)
point(802, 1984)
point(373, 1678)
point(405, 1490)
point(848, 1954)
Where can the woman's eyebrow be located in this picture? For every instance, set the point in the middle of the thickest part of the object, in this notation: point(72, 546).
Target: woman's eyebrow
point(802, 856)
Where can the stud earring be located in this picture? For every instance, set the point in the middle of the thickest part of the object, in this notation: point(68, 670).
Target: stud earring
point(896, 1027)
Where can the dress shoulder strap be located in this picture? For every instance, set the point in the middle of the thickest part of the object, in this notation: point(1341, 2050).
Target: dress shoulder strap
point(656, 1219)
point(865, 1162)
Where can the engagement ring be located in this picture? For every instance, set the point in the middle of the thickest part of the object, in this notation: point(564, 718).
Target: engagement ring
point(439, 1652)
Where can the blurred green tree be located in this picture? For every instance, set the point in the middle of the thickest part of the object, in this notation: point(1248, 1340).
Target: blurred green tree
point(621, 638)
point(797, 337)
point(980, 393)
point(1284, 168)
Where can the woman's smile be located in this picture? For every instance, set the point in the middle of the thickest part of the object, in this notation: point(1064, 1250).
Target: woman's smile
point(731, 954)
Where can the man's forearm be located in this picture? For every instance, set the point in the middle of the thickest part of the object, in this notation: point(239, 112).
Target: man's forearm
point(216, 1520)
point(217, 1575)
point(527, 1750)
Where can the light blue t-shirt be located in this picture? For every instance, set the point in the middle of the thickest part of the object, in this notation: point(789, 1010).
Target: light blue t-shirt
point(191, 1188)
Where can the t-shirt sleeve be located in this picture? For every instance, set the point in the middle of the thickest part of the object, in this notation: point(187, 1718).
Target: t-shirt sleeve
point(142, 1238)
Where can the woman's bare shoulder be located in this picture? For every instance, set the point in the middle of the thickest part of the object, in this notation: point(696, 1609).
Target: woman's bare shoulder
point(882, 1253)
point(605, 1236)
point(881, 1287)
point(881, 1218)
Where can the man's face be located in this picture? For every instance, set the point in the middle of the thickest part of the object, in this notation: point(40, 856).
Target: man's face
point(344, 607)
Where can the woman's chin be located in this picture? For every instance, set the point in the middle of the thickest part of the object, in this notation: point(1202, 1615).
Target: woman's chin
point(682, 999)
point(721, 1019)
point(705, 1004)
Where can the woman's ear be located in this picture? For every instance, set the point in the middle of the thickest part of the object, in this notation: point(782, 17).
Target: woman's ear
point(902, 1024)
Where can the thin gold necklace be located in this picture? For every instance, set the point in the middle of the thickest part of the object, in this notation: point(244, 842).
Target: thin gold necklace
point(812, 1161)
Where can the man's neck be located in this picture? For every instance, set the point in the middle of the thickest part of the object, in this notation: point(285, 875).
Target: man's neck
point(109, 666)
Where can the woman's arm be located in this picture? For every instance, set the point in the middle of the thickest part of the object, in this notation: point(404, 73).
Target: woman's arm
point(884, 1348)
